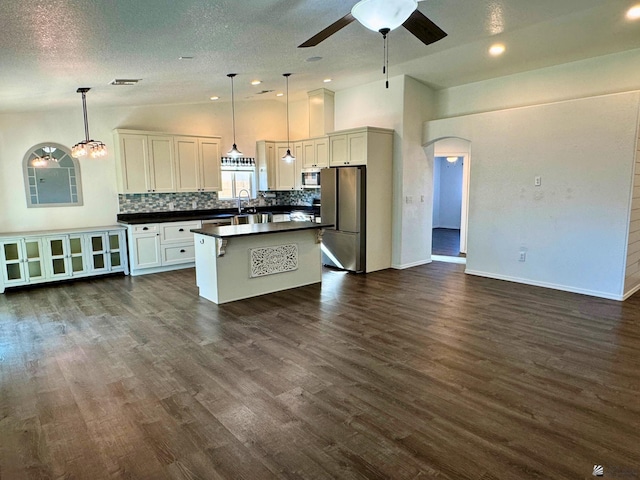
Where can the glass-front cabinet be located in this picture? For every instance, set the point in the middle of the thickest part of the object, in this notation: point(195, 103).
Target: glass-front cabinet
point(105, 250)
point(21, 261)
point(66, 256)
point(48, 256)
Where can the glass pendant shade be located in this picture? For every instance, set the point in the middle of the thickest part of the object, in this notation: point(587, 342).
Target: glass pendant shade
point(378, 14)
point(288, 157)
point(234, 152)
point(93, 148)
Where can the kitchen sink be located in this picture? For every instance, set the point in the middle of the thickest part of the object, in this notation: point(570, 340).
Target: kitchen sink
point(245, 218)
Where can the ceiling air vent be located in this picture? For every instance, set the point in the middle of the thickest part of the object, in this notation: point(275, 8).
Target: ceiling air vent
point(124, 81)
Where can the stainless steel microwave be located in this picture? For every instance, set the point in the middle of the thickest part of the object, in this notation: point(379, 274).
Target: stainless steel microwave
point(311, 179)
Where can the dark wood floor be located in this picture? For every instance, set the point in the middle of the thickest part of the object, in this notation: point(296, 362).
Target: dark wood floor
point(420, 373)
point(445, 241)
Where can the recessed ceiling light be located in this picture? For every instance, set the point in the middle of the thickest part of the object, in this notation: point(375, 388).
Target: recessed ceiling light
point(326, 80)
point(497, 49)
point(215, 97)
point(313, 59)
point(633, 13)
point(279, 94)
point(185, 58)
point(256, 82)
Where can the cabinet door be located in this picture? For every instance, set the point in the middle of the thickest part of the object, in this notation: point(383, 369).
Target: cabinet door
point(265, 158)
point(146, 251)
point(97, 248)
point(134, 163)
point(76, 256)
point(58, 263)
point(299, 154)
point(308, 154)
point(116, 254)
point(357, 148)
point(33, 259)
point(285, 170)
point(187, 164)
point(210, 177)
point(321, 152)
point(338, 150)
point(162, 166)
point(13, 264)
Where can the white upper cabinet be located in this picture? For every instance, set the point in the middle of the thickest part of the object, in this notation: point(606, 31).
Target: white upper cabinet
point(348, 148)
point(197, 164)
point(316, 152)
point(164, 163)
point(285, 170)
point(209, 164)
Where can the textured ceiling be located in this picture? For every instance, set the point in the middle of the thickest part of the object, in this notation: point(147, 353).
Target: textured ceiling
point(48, 48)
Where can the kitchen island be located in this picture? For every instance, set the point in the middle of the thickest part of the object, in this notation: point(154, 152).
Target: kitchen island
point(241, 261)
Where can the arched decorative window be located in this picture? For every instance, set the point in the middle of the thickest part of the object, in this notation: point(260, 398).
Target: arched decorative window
point(51, 176)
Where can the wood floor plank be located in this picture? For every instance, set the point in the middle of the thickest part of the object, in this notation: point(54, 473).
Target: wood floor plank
point(411, 374)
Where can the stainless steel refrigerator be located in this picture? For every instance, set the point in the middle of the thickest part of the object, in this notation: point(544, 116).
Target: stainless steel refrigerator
point(343, 197)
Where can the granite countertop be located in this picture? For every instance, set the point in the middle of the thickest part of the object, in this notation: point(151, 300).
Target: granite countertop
point(218, 213)
point(229, 231)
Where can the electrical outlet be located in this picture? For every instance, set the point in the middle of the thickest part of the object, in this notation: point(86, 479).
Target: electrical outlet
point(537, 181)
point(523, 257)
point(171, 206)
point(194, 204)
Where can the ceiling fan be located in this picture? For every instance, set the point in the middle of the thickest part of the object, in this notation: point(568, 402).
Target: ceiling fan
point(383, 16)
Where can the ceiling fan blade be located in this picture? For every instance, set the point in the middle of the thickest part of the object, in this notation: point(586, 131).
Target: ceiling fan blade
point(327, 32)
point(424, 29)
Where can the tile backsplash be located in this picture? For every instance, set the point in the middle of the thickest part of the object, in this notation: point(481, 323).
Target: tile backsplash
point(166, 202)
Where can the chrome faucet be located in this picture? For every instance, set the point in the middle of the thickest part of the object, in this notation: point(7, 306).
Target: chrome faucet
point(240, 199)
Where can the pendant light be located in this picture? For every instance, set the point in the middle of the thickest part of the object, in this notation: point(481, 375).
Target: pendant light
point(288, 157)
point(93, 148)
point(234, 152)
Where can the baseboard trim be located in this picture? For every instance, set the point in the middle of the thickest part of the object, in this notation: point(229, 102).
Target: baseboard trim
point(631, 292)
point(167, 268)
point(409, 265)
point(553, 286)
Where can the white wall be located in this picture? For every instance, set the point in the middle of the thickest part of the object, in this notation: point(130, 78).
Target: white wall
point(447, 201)
point(574, 226)
point(404, 106)
point(612, 73)
point(19, 132)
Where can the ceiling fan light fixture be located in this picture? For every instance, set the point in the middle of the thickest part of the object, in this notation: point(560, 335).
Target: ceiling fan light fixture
point(378, 14)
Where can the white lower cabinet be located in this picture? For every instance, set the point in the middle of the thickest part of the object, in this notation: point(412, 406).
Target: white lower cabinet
point(157, 247)
point(37, 257)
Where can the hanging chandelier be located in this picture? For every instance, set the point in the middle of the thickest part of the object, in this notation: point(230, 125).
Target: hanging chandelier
point(287, 156)
point(93, 148)
point(234, 152)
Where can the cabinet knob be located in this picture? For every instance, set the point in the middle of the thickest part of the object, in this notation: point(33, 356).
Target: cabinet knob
point(202, 241)
point(181, 230)
point(182, 251)
point(145, 228)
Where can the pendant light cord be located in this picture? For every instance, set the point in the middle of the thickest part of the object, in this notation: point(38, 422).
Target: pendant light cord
point(385, 54)
point(288, 140)
point(233, 108)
